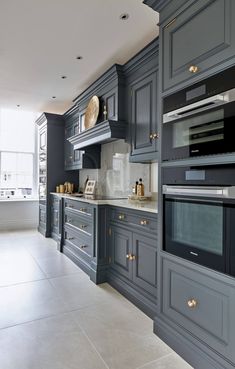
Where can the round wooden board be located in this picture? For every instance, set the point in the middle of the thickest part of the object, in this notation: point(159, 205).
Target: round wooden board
point(92, 112)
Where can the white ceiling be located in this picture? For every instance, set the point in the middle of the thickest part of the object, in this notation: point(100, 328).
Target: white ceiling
point(40, 40)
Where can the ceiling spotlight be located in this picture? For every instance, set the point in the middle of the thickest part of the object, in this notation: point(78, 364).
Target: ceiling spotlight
point(63, 77)
point(18, 105)
point(53, 97)
point(79, 57)
point(124, 16)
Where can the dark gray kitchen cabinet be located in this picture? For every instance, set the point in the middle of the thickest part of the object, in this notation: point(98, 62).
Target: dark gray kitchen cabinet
point(198, 40)
point(133, 256)
point(56, 219)
point(121, 248)
point(72, 157)
point(144, 130)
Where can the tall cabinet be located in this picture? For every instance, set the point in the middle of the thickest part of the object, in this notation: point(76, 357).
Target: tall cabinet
point(51, 165)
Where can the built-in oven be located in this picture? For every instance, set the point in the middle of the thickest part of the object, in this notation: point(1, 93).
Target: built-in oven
point(199, 225)
point(200, 120)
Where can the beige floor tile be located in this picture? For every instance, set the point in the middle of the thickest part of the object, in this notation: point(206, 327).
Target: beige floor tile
point(58, 265)
point(28, 301)
point(172, 361)
point(54, 343)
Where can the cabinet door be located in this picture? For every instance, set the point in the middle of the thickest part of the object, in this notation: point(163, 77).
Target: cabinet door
point(42, 139)
point(145, 263)
point(144, 115)
point(55, 220)
point(203, 36)
point(72, 157)
point(121, 247)
point(42, 216)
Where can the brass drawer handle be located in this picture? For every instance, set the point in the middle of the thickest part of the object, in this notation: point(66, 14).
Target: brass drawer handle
point(70, 238)
point(193, 69)
point(69, 220)
point(83, 226)
point(121, 216)
point(151, 136)
point(155, 136)
point(83, 246)
point(71, 206)
point(144, 222)
point(83, 210)
point(132, 257)
point(192, 303)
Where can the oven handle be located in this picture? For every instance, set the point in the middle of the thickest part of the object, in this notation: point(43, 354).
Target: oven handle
point(200, 106)
point(197, 200)
point(214, 192)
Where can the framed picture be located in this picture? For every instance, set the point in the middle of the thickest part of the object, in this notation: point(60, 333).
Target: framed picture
point(90, 187)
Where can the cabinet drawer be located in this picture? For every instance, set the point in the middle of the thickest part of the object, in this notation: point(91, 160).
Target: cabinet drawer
point(81, 223)
point(141, 222)
point(202, 36)
point(201, 305)
point(80, 245)
point(82, 208)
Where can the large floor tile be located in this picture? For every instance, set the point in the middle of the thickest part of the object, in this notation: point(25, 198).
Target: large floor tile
point(57, 265)
point(54, 343)
point(171, 361)
point(28, 301)
point(121, 335)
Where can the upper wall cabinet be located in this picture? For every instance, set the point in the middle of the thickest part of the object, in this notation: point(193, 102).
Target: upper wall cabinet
point(142, 102)
point(198, 40)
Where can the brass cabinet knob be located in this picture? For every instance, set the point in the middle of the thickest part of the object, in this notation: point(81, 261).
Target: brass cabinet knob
point(155, 136)
point(144, 222)
point(193, 69)
point(132, 257)
point(151, 136)
point(192, 303)
point(128, 256)
point(121, 216)
point(83, 246)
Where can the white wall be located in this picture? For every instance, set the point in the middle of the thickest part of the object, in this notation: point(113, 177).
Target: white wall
point(16, 215)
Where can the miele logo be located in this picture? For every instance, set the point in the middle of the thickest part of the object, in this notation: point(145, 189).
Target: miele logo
point(193, 253)
point(193, 151)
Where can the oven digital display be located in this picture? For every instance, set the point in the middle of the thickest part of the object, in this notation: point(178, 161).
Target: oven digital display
point(195, 92)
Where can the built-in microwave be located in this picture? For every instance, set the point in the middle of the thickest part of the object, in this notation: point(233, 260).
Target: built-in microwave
point(200, 120)
point(199, 225)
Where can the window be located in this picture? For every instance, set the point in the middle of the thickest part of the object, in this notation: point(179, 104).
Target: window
point(17, 153)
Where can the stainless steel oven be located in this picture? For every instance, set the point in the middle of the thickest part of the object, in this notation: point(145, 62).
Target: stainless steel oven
point(199, 225)
point(200, 120)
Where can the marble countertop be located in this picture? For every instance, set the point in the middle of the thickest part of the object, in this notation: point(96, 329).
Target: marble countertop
point(149, 206)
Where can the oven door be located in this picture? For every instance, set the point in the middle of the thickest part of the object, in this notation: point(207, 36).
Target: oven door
point(194, 229)
point(205, 132)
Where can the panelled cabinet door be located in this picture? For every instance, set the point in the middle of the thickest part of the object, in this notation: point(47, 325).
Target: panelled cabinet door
point(121, 248)
point(144, 115)
point(42, 139)
point(55, 219)
point(199, 38)
point(145, 263)
point(72, 157)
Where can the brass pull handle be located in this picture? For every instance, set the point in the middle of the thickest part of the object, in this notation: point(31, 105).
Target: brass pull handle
point(193, 69)
point(121, 216)
point(132, 257)
point(144, 222)
point(83, 226)
point(155, 136)
point(69, 220)
point(83, 246)
point(71, 238)
point(83, 210)
point(192, 303)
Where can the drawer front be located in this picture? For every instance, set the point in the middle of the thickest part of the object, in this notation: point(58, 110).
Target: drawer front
point(203, 37)
point(201, 305)
point(141, 222)
point(80, 245)
point(80, 207)
point(81, 223)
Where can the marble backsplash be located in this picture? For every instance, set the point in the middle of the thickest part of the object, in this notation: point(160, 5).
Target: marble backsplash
point(117, 175)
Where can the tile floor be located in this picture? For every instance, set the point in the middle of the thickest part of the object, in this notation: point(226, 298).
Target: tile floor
point(53, 317)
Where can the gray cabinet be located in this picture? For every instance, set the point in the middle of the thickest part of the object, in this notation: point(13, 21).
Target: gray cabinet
point(199, 306)
point(56, 219)
point(133, 256)
point(144, 130)
point(197, 41)
point(72, 157)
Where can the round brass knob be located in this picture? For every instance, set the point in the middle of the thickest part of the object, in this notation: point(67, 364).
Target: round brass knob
point(121, 217)
point(151, 136)
point(193, 69)
point(143, 222)
point(192, 303)
point(132, 257)
point(155, 136)
point(128, 256)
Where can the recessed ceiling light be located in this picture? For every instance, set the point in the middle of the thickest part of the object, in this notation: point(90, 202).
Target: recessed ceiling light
point(53, 97)
point(63, 77)
point(124, 16)
point(79, 57)
point(18, 105)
